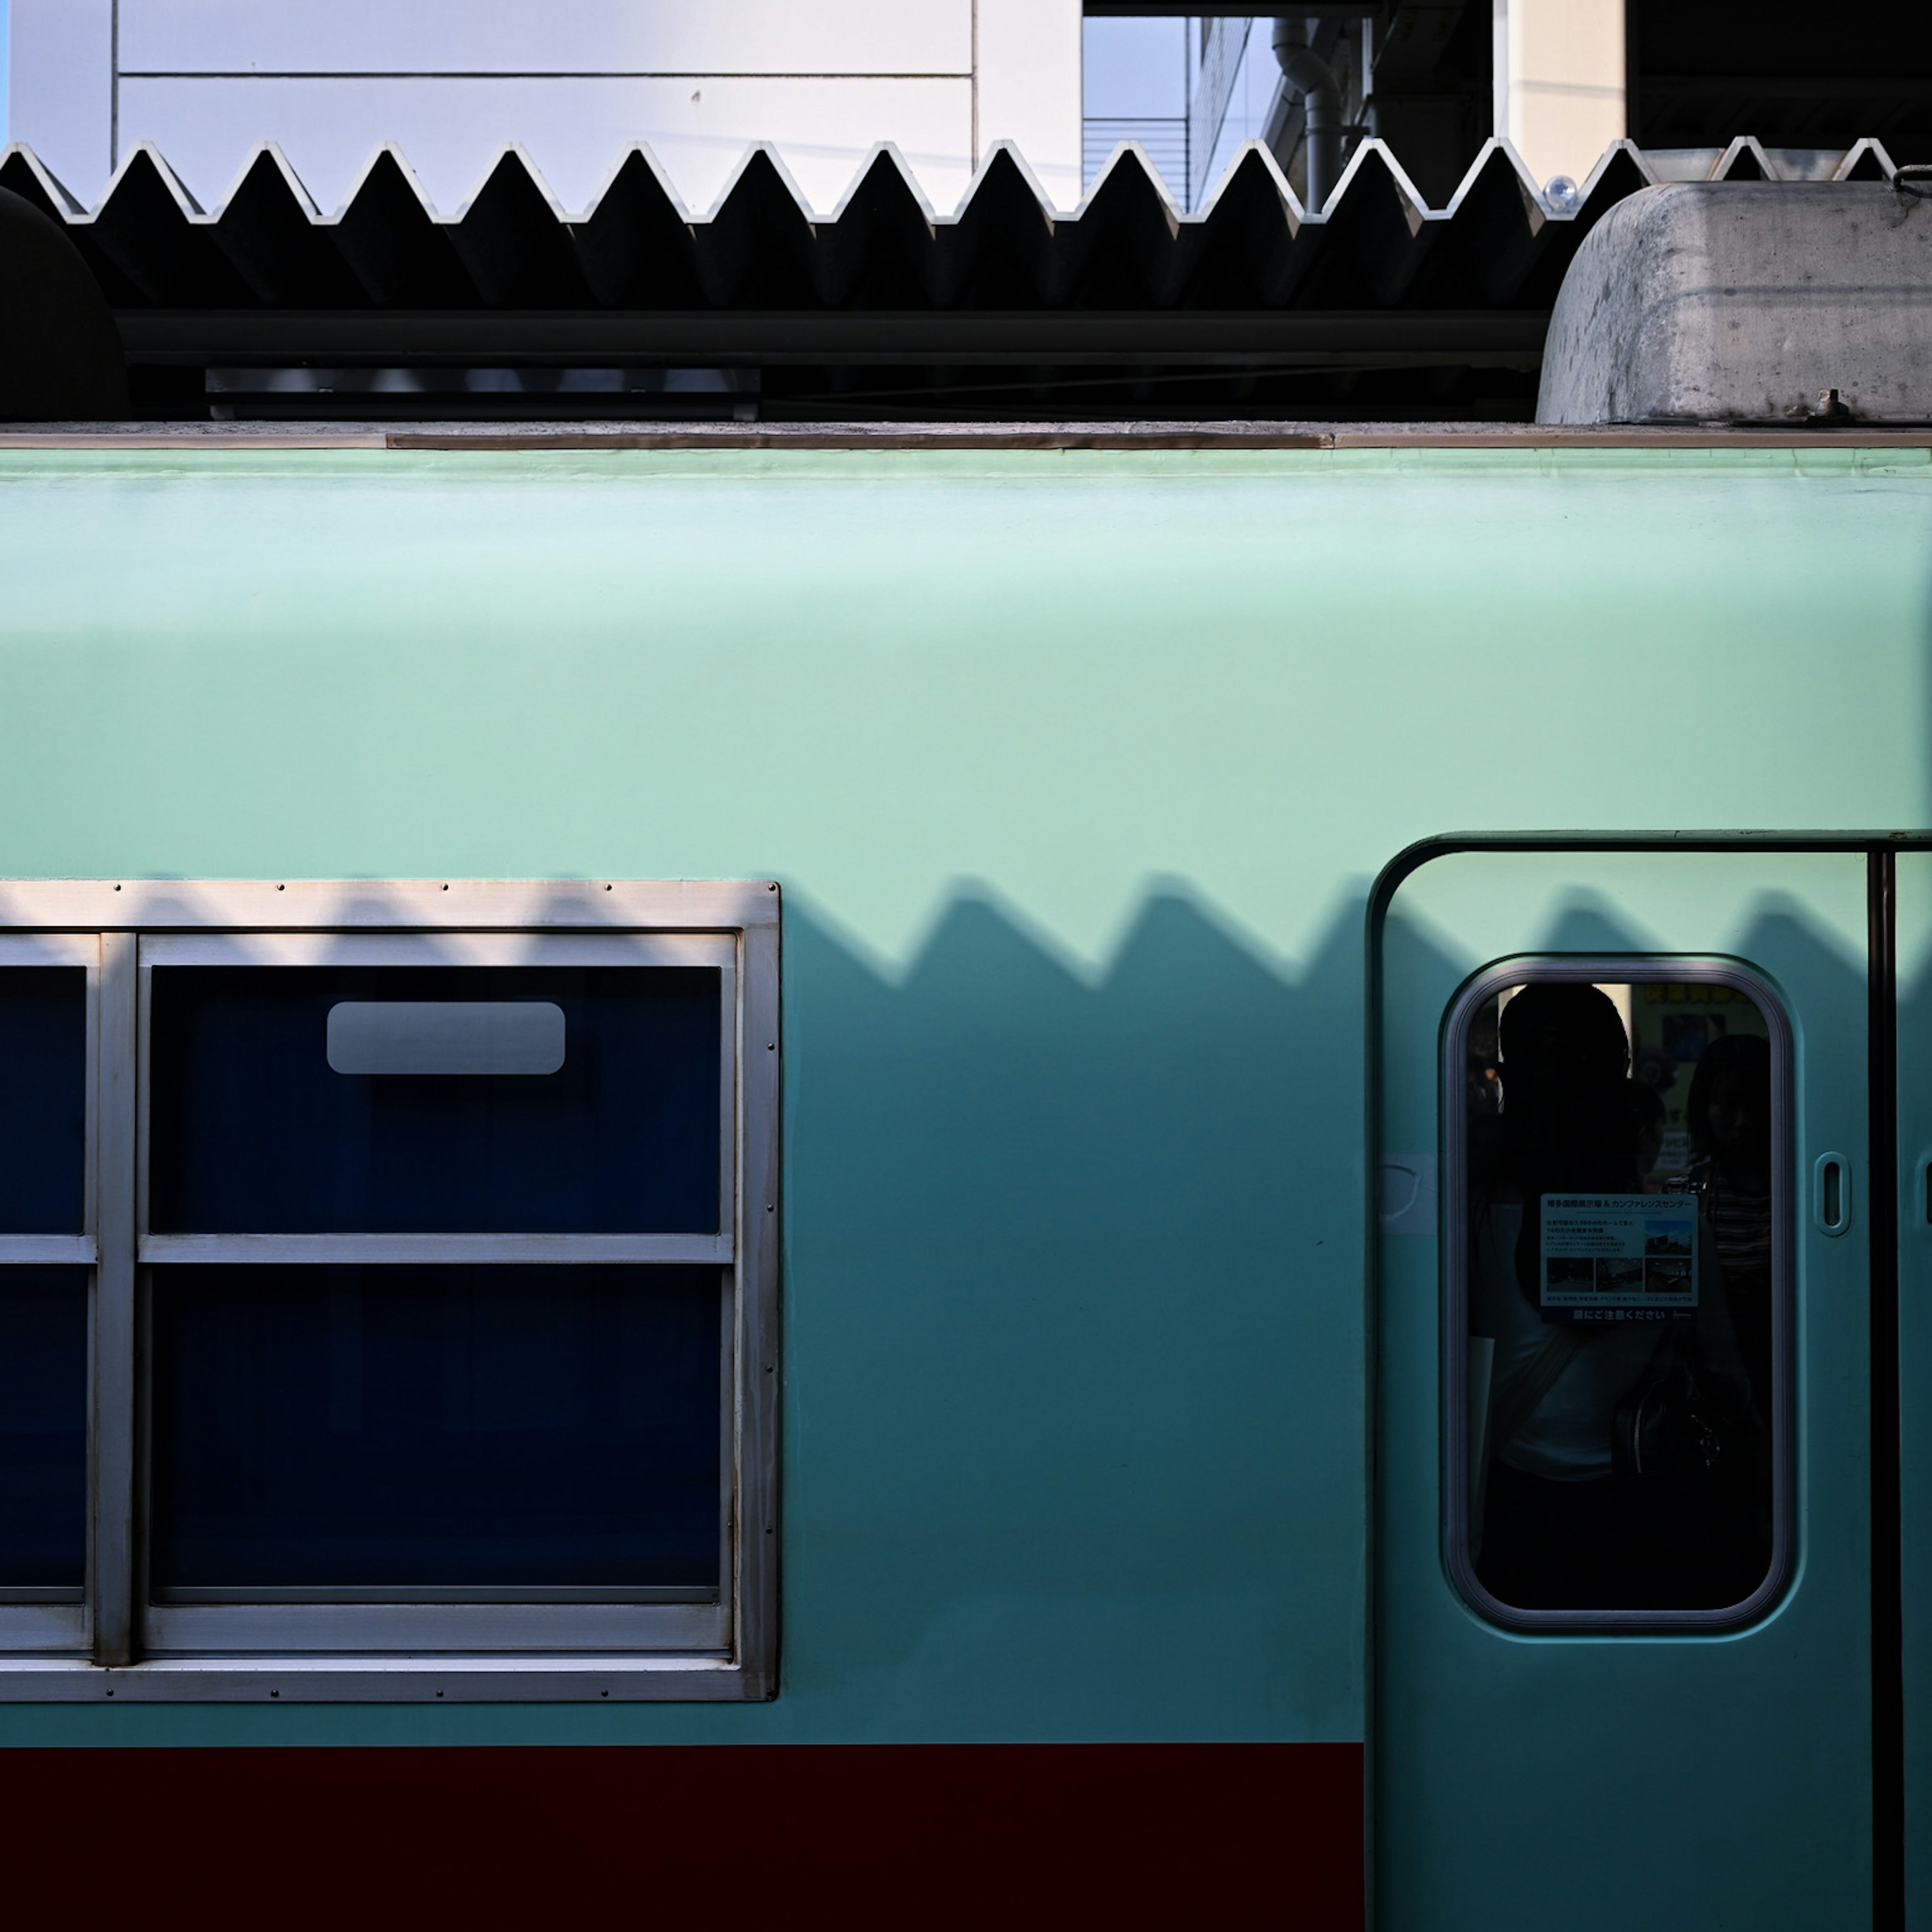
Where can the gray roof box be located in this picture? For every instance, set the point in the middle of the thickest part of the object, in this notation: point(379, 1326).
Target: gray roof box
point(1748, 301)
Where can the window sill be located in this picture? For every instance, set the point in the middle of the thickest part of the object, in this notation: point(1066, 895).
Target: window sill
point(403, 1680)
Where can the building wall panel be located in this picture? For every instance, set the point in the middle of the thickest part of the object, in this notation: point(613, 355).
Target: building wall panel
point(577, 131)
point(532, 37)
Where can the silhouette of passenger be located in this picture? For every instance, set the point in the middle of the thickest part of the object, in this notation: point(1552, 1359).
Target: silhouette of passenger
point(1646, 1113)
point(1561, 1528)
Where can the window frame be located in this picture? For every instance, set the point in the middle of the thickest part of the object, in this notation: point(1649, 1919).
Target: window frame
point(117, 1644)
point(1627, 969)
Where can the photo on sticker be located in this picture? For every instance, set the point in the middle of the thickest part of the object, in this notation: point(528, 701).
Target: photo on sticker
point(1620, 1274)
point(1666, 1277)
point(1569, 1272)
point(1668, 1238)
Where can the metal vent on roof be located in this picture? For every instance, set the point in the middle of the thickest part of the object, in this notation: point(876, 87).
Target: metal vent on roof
point(885, 308)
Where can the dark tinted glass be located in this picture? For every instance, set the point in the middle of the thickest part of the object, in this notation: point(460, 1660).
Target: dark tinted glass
point(43, 1428)
point(1622, 1384)
point(253, 1132)
point(43, 1099)
point(436, 1427)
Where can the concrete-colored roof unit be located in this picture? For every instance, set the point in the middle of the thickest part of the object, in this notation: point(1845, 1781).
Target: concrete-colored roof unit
point(1761, 301)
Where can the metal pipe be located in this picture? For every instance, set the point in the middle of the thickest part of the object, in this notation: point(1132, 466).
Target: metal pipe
point(1314, 79)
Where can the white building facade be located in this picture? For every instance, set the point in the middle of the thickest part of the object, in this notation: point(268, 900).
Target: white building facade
point(576, 83)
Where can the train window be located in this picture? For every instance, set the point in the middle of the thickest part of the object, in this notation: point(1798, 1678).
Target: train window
point(437, 1335)
point(392, 1099)
point(42, 1434)
point(1617, 1251)
point(387, 1307)
point(329, 1434)
point(43, 1099)
point(45, 1075)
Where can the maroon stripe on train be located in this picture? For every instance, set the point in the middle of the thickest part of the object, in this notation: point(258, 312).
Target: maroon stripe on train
point(925, 1835)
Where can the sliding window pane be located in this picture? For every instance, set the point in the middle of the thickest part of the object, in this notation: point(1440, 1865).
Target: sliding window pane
point(43, 1429)
point(387, 1430)
point(43, 1099)
point(435, 1100)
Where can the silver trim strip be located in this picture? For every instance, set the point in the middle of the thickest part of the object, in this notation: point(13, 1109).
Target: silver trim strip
point(363, 1680)
point(539, 905)
point(468, 1250)
point(200, 1630)
point(113, 1433)
point(45, 1250)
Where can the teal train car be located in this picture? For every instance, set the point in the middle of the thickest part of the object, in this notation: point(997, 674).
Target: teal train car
point(763, 1178)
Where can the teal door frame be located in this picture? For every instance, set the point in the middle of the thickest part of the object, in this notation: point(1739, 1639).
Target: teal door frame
point(1879, 848)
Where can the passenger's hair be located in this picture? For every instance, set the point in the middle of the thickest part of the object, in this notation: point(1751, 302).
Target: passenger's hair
point(1734, 1056)
point(1566, 1123)
point(1564, 1024)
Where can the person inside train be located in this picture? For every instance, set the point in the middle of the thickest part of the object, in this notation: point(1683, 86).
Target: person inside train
point(1646, 1113)
point(1570, 1517)
point(1728, 1112)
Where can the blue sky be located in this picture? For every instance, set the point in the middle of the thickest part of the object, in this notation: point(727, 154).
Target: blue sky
point(1141, 68)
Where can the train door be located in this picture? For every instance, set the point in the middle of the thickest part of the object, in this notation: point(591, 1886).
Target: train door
point(1622, 1601)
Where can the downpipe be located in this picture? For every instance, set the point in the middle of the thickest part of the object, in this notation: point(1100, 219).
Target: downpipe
point(1311, 76)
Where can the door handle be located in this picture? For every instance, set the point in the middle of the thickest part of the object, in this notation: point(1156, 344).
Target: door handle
point(1831, 1193)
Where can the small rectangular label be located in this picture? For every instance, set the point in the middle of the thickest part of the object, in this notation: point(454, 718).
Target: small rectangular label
point(1619, 1257)
point(419, 1037)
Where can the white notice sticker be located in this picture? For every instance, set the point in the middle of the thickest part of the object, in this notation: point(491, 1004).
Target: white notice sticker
point(1619, 1257)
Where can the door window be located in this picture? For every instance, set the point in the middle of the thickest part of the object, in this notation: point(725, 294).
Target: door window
point(1617, 1244)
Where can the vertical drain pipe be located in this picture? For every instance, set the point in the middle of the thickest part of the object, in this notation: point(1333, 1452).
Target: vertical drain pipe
point(1313, 78)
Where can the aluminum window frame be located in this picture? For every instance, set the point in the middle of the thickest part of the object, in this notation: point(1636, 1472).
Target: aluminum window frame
point(471, 1646)
point(1634, 970)
point(241, 1621)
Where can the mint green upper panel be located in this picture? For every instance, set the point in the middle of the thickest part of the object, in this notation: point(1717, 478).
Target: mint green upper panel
point(1076, 768)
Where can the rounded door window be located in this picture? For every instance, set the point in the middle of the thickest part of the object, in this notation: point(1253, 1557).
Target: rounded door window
point(1618, 1177)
